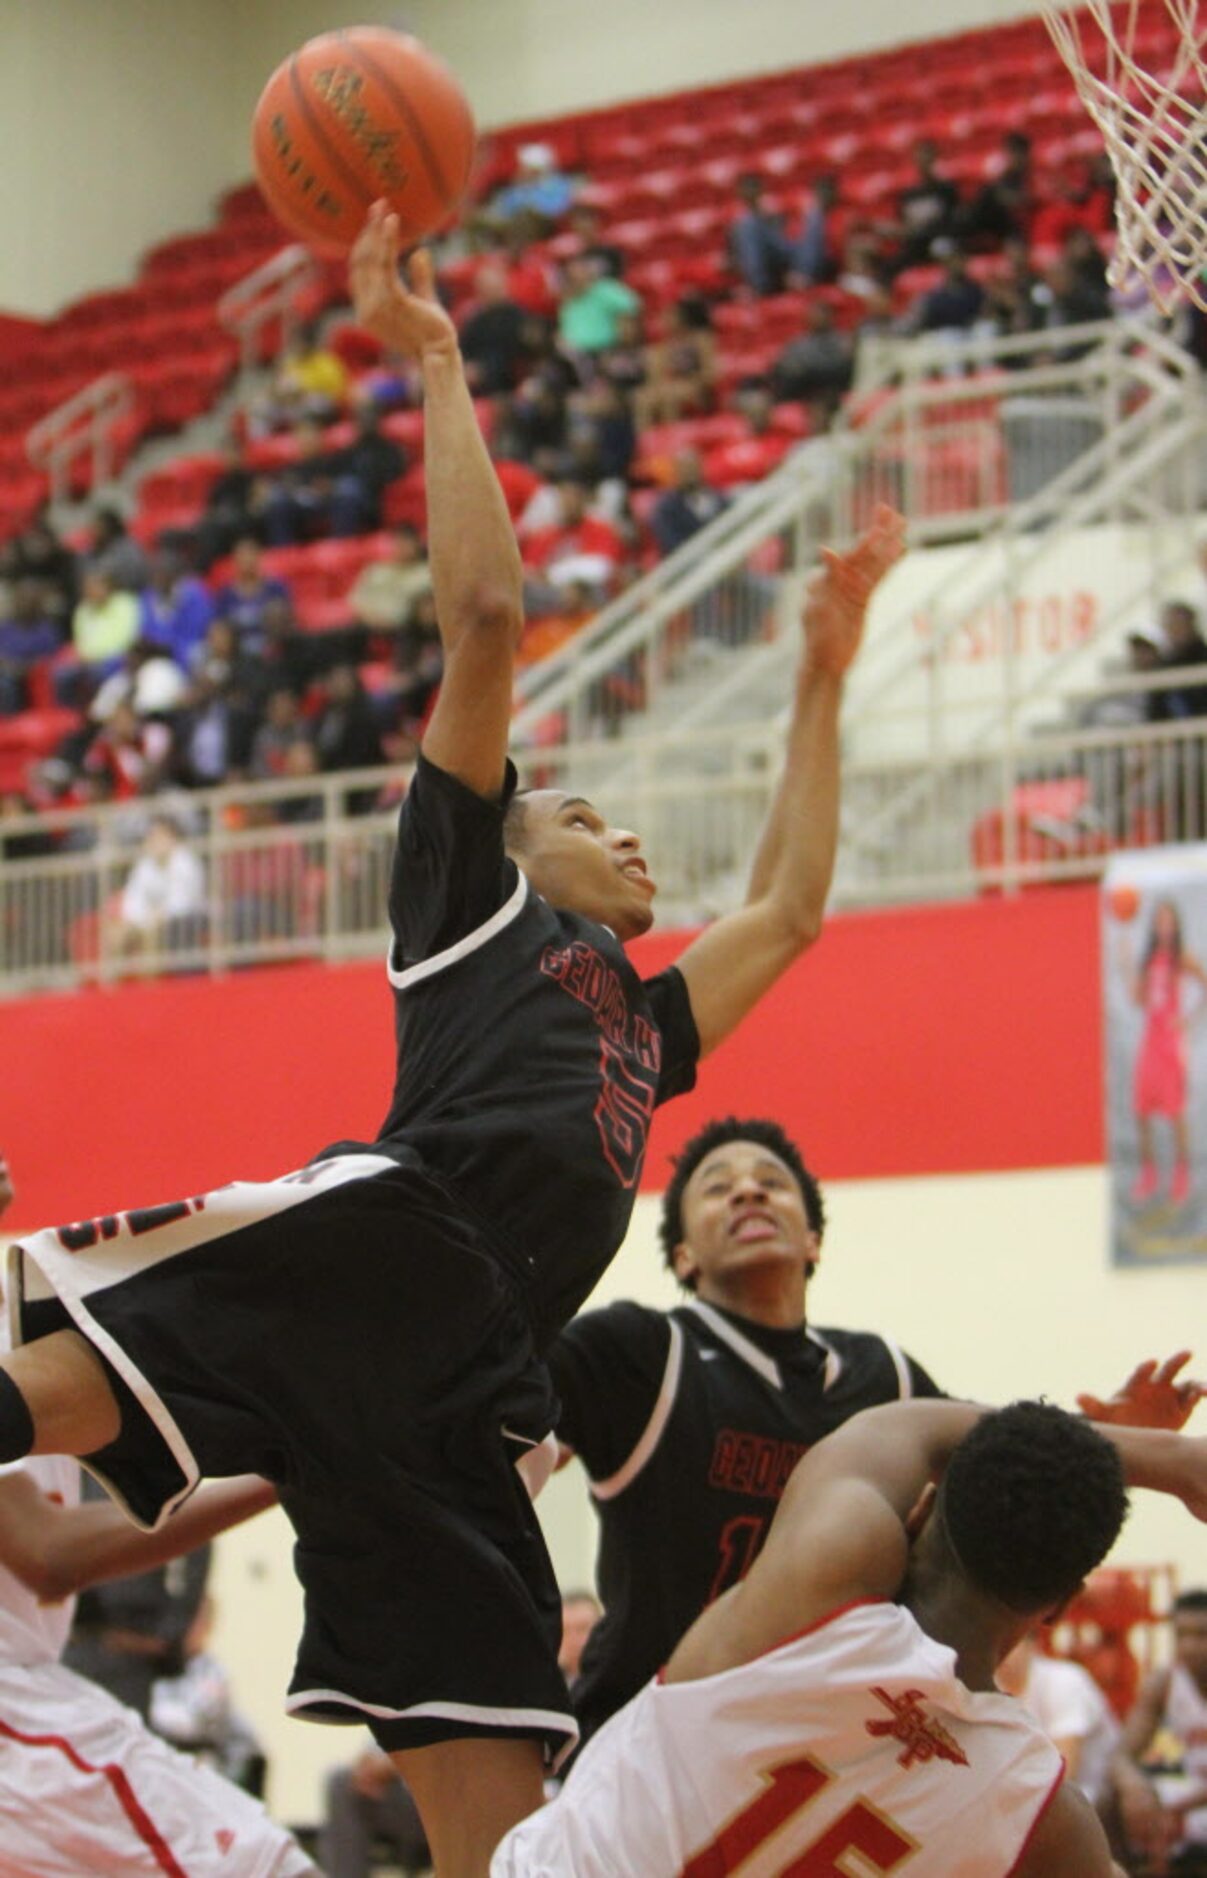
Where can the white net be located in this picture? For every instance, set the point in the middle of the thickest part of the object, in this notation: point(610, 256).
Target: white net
point(1139, 68)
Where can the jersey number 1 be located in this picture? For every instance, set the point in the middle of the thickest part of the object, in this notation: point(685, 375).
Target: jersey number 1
point(789, 1790)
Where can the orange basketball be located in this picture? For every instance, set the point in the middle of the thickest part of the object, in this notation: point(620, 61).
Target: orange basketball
point(1124, 903)
point(357, 115)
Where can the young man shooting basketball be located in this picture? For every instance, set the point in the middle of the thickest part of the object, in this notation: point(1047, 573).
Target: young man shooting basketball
point(841, 1700)
point(367, 1332)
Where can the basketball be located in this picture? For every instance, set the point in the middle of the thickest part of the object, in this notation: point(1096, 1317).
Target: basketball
point(1124, 903)
point(354, 116)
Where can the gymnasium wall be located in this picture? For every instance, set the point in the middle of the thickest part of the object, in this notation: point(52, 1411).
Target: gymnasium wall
point(124, 121)
point(940, 1065)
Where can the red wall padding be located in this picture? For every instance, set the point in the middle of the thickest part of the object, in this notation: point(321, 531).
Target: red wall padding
point(935, 1039)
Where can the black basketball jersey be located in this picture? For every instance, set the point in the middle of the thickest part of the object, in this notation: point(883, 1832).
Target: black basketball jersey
point(688, 1424)
point(531, 1056)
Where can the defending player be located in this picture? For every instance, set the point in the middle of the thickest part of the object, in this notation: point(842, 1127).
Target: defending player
point(842, 1698)
point(367, 1332)
point(690, 1422)
point(84, 1784)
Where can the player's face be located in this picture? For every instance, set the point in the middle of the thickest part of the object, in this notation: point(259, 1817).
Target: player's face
point(577, 862)
point(1190, 1643)
point(742, 1211)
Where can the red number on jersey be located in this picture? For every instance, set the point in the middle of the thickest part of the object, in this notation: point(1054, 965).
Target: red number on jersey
point(623, 1113)
point(739, 1545)
point(789, 1790)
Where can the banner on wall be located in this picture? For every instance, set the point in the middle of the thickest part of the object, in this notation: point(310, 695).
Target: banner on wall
point(1154, 979)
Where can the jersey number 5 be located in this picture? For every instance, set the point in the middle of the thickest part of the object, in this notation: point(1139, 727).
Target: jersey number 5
point(790, 1788)
point(623, 1114)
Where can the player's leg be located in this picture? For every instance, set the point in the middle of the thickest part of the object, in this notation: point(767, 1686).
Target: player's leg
point(469, 1793)
point(55, 1398)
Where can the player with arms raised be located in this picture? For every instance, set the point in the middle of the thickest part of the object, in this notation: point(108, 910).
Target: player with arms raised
point(368, 1332)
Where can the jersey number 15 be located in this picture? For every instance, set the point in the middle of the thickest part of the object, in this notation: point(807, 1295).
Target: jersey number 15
point(790, 1789)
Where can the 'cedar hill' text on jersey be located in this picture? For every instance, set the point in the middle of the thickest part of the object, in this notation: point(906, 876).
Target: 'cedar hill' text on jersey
point(689, 1423)
point(854, 1747)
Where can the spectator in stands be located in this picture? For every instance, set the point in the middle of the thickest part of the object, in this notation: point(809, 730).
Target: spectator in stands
point(364, 470)
point(418, 666)
point(288, 657)
point(531, 279)
point(332, 492)
point(628, 363)
point(130, 753)
point(1185, 647)
point(592, 306)
point(1172, 1701)
point(602, 433)
point(927, 210)
point(294, 504)
point(586, 227)
point(1085, 257)
point(311, 385)
point(813, 253)
point(283, 726)
point(346, 733)
point(757, 244)
point(243, 598)
point(29, 635)
point(494, 335)
point(39, 555)
point(1067, 297)
point(114, 553)
point(536, 420)
point(1004, 206)
point(368, 1804)
point(1072, 1711)
point(162, 908)
point(578, 547)
point(756, 452)
point(384, 589)
point(1013, 303)
point(688, 505)
point(228, 506)
point(148, 679)
point(819, 360)
point(175, 608)
point(680, 370)
point(539, 188)
point(955, 305)
point(195, 1711)
point(222, 659)
point(215, 732)
point(103, 627)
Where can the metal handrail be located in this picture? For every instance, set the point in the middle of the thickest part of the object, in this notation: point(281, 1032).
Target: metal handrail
point(270, 291)
point(83, 424)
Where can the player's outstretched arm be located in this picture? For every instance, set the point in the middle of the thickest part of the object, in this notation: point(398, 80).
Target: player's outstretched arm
point(1069, 1842)
point(57, 1550)
point(731, 965)
point(477, 577)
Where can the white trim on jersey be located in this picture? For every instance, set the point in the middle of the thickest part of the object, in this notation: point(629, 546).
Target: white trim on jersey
point(543, 1720)
point(480, 936)
point(43, 1265)
point(757, 1359)
point(905, 1382)
point(652, 1433)
point(833, 1360)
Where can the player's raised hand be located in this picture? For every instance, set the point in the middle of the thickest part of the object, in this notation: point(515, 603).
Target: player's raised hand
point(405, 314)
point(836, 598)
point(1152, 1396)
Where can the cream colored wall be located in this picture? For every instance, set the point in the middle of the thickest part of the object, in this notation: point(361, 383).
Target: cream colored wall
point(998, 1284)
point(112, 114)
point(530, 58)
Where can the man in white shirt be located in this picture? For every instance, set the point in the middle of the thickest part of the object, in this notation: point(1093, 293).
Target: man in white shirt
point(1070, 1708)
point(163, 901)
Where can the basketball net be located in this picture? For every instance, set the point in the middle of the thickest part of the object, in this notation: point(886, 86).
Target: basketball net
point(1155, 127)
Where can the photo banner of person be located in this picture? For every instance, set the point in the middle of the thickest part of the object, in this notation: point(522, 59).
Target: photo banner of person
point(1154, 944)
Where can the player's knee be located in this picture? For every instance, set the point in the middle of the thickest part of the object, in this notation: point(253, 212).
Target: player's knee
point(16, 1422)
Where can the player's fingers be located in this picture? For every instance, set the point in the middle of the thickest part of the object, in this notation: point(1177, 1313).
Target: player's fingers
point(422, 275)
point(1167, 1370)
point(1092, 1406)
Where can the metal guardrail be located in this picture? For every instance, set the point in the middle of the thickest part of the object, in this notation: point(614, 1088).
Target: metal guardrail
point(289, 871)
point(272, 291)
point(84, 425)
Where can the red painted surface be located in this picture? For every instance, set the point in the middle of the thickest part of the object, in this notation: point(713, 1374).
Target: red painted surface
point(929, 1040)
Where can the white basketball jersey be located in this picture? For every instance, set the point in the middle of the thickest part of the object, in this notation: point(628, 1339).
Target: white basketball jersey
point(31, 1632)
point(1186, 1718)
point(851, 1748)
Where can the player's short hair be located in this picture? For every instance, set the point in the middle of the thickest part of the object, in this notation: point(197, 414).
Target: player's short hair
point(1195, 1601)
point(1032, 1499)
point(515, 817)
point(767, 1134)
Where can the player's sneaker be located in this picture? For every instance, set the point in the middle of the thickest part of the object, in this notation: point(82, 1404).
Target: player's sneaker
point(1179, 1186)
point(1144, 1186)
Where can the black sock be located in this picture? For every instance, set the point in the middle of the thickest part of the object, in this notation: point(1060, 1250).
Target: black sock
point(16, 1422)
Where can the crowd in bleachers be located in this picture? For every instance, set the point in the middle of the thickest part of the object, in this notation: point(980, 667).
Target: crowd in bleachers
point(642, 343)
